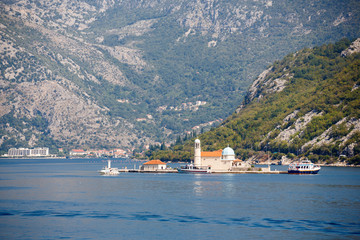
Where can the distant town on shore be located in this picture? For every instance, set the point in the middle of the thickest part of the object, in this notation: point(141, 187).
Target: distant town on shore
point(44, 152)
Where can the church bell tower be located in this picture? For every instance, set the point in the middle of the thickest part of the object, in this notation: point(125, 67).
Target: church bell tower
point(197, 155)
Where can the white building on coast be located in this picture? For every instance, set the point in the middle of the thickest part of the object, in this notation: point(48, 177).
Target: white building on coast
point(153, 165)
point(26, 152)
point(220, 160)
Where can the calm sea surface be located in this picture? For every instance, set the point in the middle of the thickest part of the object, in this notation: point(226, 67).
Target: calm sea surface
point(68, 199)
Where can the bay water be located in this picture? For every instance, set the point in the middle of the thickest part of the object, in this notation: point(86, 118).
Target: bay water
point(68, 199)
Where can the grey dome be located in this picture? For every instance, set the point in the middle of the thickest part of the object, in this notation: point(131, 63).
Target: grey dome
point(228, 152)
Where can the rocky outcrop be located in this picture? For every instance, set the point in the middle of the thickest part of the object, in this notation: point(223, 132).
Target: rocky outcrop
point(205, 17)
point(255, 87)
point(126, 55)
point(264, 84)
point(297, 127)
point(327, 138)
point(354, 48)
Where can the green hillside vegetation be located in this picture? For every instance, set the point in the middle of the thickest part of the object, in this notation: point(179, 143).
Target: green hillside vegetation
point(323, 81)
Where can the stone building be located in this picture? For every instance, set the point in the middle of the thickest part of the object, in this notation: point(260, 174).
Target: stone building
point(220, 160)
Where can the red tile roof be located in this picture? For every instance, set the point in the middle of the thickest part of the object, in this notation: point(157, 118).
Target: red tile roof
point(154, 162)
point(77, 150)
point(212, 154)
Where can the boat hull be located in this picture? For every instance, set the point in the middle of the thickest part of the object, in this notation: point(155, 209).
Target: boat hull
point(196, 171)
point(190, 168)
point(303, 167)
point(303, 171)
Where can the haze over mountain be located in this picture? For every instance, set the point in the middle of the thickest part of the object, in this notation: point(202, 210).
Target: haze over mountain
point(127, 73)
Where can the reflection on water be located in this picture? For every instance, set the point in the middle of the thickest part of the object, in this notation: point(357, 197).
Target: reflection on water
point(204, 185)
point(52, 199)
point(198, 189)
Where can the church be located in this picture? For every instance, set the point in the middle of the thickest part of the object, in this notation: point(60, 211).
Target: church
point(221, 160)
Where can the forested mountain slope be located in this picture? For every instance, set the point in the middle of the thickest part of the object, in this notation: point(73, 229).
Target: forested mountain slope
point(105, 73)
point(306, 104)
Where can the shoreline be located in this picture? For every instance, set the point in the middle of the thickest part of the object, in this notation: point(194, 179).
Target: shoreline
point(32, 157)
point(137, 160)
point(320, 164)
point(336, 165)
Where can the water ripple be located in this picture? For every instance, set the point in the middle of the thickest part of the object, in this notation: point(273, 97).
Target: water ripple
point(3, 213)
point(302, 225)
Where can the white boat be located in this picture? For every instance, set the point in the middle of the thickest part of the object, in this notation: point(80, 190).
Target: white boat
point(190, 168)
point(303, 167)
point(109, 170)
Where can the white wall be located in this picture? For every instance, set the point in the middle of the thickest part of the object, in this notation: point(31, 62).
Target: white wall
point(154, 167)
point(216, 163)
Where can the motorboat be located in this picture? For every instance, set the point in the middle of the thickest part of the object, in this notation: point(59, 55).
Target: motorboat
point(190, 168)
point(303, 167)
point(109, 170)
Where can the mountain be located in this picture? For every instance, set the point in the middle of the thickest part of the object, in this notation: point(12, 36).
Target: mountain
point(307, 104)
point(105, 73)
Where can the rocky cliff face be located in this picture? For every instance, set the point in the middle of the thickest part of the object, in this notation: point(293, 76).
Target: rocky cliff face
point(48, 76)
point(81, 72)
